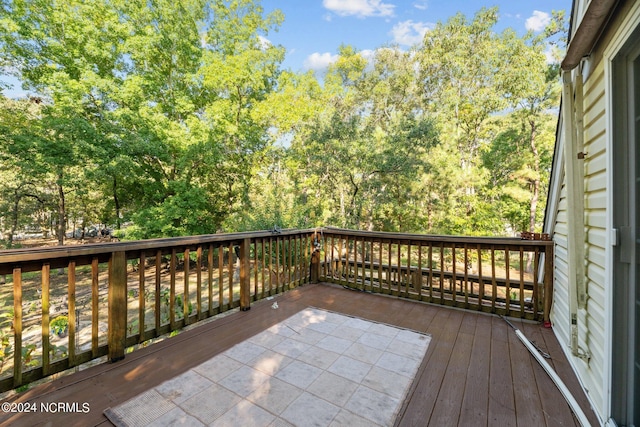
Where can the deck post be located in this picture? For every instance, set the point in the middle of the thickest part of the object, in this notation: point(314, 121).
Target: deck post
point(548, 284)
point(117, 306)
point(245, 276)
point(315, 264)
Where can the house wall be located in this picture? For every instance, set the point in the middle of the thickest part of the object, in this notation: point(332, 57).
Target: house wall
point(595, 321)
point(591, 322)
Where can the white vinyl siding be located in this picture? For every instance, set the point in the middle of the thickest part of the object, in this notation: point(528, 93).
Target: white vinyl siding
point(592, 321)
point(595, 146)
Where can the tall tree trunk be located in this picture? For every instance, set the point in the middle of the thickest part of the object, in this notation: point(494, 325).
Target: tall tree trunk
point(535, 190)
point(14, 218)
point(116, 202)
point(62, 221)
point(536, 182)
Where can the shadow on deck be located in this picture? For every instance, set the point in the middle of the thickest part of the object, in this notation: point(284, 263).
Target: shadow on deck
point(476, 371)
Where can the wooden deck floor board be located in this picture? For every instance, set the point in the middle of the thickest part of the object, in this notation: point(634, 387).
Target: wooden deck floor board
point(474, 410)
point(475, 369)
point(447, 409)
point(563, 369)
point(502, 408)
point(556, 411)
point(528, 405)
point(424, 397)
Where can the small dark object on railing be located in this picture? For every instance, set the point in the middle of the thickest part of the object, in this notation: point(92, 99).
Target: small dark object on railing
point(525, 235)
point(276, 230)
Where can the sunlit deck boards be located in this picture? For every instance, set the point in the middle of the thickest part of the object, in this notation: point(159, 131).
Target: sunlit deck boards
point(476, 370)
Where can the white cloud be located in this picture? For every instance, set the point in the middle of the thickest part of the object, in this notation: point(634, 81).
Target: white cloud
point(359, 8)
point(367, 54)
point(408, 33)
point(537, 21)
point(422, 4)
point(319, 61)
point(264, 42)
point(553, 54)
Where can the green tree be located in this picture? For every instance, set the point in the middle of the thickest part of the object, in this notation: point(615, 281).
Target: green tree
point(155, 101)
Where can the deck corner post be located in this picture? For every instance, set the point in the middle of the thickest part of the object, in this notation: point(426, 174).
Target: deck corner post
point(315, 265)
point(117, 334)
point(245, 276)
point(548, 284)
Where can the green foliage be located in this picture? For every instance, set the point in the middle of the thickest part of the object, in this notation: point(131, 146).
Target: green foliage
point(177, 117)
point(29, 358)
point(59, 325)
point(6, 350)
point(58, 351)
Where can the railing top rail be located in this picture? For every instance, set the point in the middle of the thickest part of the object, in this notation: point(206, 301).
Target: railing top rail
point(384, 235)
point(54, 252)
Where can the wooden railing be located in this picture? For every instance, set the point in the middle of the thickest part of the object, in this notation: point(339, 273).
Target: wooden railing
point(113, 296)
point(506, 276)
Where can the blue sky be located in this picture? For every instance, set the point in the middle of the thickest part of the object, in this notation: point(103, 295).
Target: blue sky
point(314, 29)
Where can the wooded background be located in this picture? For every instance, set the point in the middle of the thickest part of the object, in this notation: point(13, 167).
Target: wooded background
point(177, 118)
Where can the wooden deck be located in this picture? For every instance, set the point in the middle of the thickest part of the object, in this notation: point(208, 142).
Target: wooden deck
point(476, 371)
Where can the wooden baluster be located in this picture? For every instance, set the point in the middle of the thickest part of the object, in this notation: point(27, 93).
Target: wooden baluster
point(480, 279)
point(441, 272)
point(270, 266)
point(390, 267)
point(290, 264)
point(287, 257)
point(278, 255)
point(535, 297)
point(359, 276)
point(264, 280)
point(17, 327)
point(335, 254)
point(304, 243)
point(325, 271)
point(380, 282)
point(341, 271)
point(399, 269)
point(231, 271)
point(522, 266)
point(466, 276)
point(185, 288)
point(245, 284)
point(199, 283)
point(408, 281)
point(454, 280)
point(419, 273)
point(71, 303)
point(95, 306)
point(46, 343)
point(548, 283)
point(430, 272)
point(371, 265)
point(158, 290)
point(348, 260)
point(507, 283)
point(210, 278)
point(141, 301)
point(220, 279)
point(172, 290)
point(494, 284)
point(255, 270)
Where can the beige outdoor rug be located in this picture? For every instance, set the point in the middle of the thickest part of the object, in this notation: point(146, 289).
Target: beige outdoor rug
point(316, 368)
